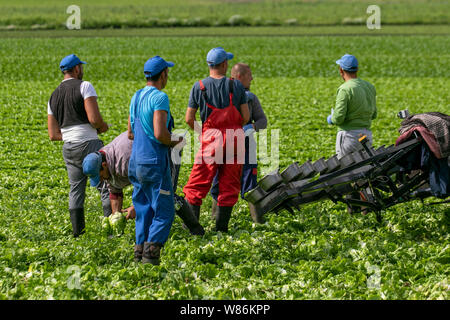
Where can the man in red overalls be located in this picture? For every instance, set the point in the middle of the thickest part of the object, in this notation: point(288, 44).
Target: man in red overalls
point(223, 111)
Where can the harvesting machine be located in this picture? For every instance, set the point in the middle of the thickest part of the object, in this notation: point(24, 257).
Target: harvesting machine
point(369, 180)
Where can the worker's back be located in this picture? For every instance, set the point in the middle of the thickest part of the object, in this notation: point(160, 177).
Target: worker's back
point(359, 97)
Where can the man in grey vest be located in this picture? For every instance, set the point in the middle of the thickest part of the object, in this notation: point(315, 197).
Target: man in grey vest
point(74, 117)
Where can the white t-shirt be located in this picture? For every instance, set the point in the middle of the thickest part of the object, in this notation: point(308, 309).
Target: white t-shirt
point(79, 132)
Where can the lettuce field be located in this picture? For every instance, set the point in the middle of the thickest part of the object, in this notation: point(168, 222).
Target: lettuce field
point(320, 252)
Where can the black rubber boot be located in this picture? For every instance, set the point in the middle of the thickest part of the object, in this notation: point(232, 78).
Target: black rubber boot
point(151, 253)
point(256, 216)
point(222, 218)
point(195, 210)
point(138, 252)
point(77, 220)
point(189, 219)
point(214, 209)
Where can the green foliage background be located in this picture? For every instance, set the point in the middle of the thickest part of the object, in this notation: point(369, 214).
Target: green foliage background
point(320, 252)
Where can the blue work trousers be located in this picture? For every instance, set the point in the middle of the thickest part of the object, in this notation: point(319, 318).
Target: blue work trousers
point(149, 172)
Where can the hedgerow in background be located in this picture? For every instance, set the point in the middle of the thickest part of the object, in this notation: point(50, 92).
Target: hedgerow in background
point(51, 14)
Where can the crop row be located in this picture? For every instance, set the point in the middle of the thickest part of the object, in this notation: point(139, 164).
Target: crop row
point(320, 252)
point(289, 57)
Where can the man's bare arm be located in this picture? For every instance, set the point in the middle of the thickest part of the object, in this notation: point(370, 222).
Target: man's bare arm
point(245, 113)
point(130, 131)
point(190, 117)
point(116, 204)
point(54, 132)
point(94, 116)
point(160, 129)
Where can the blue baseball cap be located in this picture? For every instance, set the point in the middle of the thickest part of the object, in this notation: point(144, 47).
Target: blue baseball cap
point(155, 65)
point(218, 55)
point(348, 63)
point(69, 62)
point(92, 164)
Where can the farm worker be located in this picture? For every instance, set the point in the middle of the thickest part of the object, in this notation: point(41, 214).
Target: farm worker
point(74, 117)
point(355, 108)
point(223, 111)
point(149, 124)
point(258, 121)
point(110, 164)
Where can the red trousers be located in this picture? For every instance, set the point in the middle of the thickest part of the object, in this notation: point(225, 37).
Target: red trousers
point(201, 179)
point(214, 139)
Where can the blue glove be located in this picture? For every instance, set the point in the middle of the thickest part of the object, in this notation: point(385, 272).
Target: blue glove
point(248, 129)
point(329, 119)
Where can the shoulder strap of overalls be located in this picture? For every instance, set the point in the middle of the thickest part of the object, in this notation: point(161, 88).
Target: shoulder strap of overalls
point(203, 89)
point(136, 101)
point(231, 86)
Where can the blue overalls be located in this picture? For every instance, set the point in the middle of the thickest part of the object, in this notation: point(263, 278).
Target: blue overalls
point(149, 172)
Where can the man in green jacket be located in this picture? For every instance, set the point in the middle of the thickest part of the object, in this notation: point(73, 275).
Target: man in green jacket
point(355, 108)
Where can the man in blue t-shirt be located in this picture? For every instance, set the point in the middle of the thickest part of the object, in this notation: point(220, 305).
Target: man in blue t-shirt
point(149, 125)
